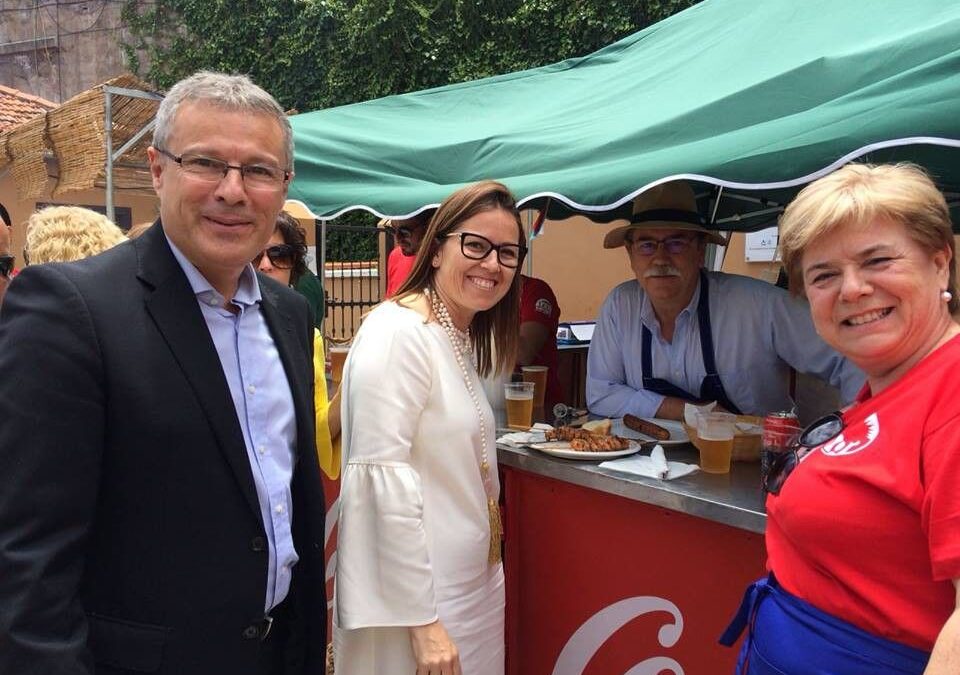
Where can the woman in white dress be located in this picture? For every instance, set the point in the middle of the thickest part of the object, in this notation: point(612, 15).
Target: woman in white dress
point(419, 584)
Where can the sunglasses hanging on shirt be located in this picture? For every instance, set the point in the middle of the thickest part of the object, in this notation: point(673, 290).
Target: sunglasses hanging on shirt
point(816, 434)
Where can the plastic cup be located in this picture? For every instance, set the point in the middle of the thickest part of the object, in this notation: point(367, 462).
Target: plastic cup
point(519, 398)
point(715, 431)
point(338, 355)
point(537, 375)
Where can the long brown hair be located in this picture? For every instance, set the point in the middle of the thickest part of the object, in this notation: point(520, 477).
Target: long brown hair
point(499, 325)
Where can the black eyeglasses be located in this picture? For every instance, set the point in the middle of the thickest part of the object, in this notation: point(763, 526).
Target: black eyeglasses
point(210, 170)
point(478, 247)
point(817, 433)
point(281, 256)
point(673, 245)
point(402, 232)
point(6, 265)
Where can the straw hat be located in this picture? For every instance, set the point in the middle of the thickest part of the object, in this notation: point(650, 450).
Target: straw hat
point(670, 206)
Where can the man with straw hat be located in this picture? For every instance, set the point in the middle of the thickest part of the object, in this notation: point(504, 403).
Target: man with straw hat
point(678, 333)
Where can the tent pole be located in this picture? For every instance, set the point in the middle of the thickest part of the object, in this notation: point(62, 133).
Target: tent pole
point(321, 234)
point(108, 142)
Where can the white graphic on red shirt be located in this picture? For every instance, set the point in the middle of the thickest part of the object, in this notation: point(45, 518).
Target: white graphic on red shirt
point(867, 434)
point(544, 306)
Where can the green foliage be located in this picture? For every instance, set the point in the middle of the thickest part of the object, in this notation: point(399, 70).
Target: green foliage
point(278, 43)
point(353, 236)
point(313, 54)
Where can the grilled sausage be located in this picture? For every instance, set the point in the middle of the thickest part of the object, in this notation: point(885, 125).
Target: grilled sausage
point(646, 428)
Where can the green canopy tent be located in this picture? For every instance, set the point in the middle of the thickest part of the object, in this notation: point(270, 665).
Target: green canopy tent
point(749, 99)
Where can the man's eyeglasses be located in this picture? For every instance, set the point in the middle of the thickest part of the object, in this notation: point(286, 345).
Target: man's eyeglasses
point(210, 170)
point(402, 232)
point(817, 433)
point(673, 245)
point(6, 264)
point(281, 256)
point(477, 247)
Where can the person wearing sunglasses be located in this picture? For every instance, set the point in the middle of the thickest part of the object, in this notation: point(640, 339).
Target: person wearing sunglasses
point(284, 259)
point(419, 584)
point(7, 259)
point(677, 333)
point(408, 233)
point(863, 527)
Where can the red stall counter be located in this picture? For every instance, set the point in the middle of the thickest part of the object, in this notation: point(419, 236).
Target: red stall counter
point(609, 573)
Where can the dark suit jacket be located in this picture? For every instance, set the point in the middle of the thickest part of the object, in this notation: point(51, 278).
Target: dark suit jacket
point(131, 538)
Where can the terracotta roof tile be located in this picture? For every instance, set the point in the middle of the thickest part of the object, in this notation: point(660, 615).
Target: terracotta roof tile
point(17, 107)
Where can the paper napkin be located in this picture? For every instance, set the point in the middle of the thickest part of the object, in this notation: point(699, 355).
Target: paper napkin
point(653, 466)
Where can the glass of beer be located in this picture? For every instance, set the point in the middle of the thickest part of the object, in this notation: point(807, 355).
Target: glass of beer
point(715, 441)
point(519, 397)
point(338, 354)
point(537, 375)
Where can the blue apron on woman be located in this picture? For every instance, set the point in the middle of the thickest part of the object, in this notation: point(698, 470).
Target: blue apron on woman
point(711, 388)
point(789, 636)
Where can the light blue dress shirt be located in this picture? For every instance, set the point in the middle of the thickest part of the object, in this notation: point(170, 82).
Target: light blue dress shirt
point(264, 405)
point(759, 331)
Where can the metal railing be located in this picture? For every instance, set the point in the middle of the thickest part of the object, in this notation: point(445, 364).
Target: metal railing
point(353, 287)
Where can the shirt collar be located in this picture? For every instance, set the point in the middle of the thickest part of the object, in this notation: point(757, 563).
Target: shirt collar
point(248, 289)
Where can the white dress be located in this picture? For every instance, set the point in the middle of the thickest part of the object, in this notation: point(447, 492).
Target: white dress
point(414, 529)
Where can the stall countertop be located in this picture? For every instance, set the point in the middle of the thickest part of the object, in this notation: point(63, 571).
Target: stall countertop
point(734, 499)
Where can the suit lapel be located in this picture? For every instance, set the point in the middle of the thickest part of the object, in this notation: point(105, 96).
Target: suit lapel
point(293, 356)
point(173, 307)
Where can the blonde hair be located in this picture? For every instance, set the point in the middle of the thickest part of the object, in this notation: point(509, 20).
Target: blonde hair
point(859, 194)
point(67, 233)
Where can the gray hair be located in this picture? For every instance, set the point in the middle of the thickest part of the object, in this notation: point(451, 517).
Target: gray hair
point(231, 92)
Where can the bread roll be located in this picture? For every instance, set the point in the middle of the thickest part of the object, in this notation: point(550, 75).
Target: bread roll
point(601, 427)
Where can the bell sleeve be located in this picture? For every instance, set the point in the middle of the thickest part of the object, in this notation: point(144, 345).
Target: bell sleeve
point(384, 575)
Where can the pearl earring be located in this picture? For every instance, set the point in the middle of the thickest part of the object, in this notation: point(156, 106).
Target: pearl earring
point(946, 296)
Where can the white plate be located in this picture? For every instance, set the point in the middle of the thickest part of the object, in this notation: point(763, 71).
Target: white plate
point(563, 449)
point(677, 433)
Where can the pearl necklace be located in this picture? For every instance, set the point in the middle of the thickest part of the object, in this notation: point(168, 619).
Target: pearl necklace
point(460, 341)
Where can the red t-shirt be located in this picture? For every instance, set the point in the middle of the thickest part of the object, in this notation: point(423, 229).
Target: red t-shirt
point(399, 267)
point(539, 304)
point(867, 527)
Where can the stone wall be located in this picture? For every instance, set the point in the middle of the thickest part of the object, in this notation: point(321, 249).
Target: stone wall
point(58, 48)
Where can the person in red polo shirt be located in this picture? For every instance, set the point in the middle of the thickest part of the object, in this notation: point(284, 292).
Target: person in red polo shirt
point(539, 316)
point(409, 234)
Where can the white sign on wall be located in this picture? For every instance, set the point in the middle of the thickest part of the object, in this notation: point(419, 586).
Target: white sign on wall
point(761, 246)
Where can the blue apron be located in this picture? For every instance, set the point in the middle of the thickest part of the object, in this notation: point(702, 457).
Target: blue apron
point(711, 388)
point(789, 636)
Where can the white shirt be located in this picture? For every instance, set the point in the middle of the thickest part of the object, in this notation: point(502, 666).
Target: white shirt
point(759, 331)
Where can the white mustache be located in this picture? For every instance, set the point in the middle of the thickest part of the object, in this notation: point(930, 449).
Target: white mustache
point(661, 271)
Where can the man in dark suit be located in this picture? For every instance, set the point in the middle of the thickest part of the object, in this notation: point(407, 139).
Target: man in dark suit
point(161, 509)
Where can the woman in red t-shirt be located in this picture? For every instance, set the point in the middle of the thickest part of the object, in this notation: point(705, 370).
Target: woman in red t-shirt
point(863, 530)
